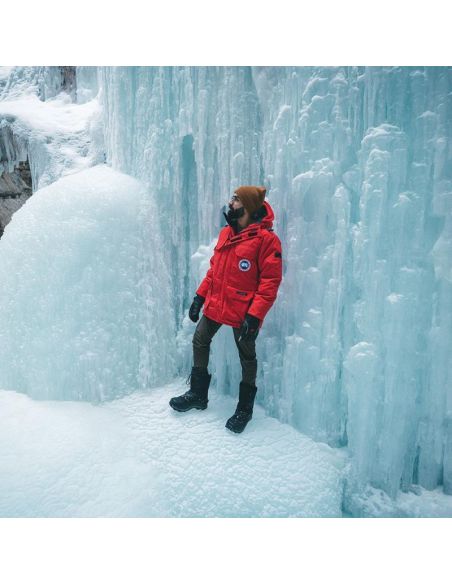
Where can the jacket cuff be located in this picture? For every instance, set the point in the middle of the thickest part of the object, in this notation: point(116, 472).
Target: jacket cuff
point(253, 314)
point(202, 290)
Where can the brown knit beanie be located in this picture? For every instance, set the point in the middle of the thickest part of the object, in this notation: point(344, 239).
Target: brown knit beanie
point(252, 198)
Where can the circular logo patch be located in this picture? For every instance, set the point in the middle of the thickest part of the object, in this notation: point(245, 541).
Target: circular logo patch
point(244, 265)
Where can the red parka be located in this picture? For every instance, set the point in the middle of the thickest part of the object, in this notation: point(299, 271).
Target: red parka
point(245, 273)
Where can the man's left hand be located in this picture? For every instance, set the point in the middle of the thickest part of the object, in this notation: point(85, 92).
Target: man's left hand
point(249, 328)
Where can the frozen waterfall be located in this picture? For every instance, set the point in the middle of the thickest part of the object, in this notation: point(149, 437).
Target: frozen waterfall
point(100, 265)
point(357, 161)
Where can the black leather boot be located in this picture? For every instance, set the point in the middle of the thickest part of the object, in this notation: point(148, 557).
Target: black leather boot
point(196, 396)
point(244, 410)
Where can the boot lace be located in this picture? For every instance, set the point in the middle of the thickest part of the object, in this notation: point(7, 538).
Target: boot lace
point(241, 415)
point(189, 395)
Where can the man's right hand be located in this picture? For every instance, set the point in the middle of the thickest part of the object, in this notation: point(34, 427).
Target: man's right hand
point(195, 307)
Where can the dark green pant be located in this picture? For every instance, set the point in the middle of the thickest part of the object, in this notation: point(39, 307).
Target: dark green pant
point(205, 330)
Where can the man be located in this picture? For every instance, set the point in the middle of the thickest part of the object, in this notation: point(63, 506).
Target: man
point(238, 290)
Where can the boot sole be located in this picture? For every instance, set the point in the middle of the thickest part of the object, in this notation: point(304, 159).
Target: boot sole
point(188, 409)
point(235, 431)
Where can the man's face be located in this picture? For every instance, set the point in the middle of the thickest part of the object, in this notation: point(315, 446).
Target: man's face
point(235, 202)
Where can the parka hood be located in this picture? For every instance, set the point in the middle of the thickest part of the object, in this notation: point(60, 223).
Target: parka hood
point(266, 215)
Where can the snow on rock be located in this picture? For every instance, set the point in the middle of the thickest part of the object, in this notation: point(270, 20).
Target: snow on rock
point(137, 457)
point(57, 136)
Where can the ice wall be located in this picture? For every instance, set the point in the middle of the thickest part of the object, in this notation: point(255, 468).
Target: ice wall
point(357, 162)
point(185, 137)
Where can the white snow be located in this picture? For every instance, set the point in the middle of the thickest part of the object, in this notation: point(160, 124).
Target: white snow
point(136, 457)
point(54, 116)
point(59, 137)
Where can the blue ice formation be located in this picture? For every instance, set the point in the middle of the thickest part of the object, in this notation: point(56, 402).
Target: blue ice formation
point(357, 163)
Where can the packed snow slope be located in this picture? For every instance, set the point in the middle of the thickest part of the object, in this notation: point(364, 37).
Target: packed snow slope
point(135, 457)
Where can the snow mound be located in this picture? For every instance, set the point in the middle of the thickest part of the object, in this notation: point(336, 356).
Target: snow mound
point(83, 316)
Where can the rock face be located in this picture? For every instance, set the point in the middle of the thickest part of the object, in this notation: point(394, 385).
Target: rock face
point(15, 189)
point(68, 80)
point(15, 176)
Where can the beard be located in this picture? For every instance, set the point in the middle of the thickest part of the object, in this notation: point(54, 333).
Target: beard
point(233, 215)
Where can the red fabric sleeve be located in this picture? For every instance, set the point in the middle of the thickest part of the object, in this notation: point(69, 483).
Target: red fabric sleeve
point(205, 284)
point(270, 268)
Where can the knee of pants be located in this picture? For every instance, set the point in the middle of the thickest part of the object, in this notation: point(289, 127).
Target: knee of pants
point(247, 350)
point(199, 340)
point(248, 362)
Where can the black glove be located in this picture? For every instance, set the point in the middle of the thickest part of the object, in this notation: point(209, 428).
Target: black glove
point(249, 328)
point(195, 307)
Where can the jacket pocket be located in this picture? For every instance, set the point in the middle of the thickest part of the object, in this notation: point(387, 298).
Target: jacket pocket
point(237, 302)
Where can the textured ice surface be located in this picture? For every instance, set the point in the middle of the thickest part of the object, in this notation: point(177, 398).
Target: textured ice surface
point(137, 457)
point(83, 313)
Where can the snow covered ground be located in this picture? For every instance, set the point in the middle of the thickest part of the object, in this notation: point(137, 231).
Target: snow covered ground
point(418, 502)
point(135, 457)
